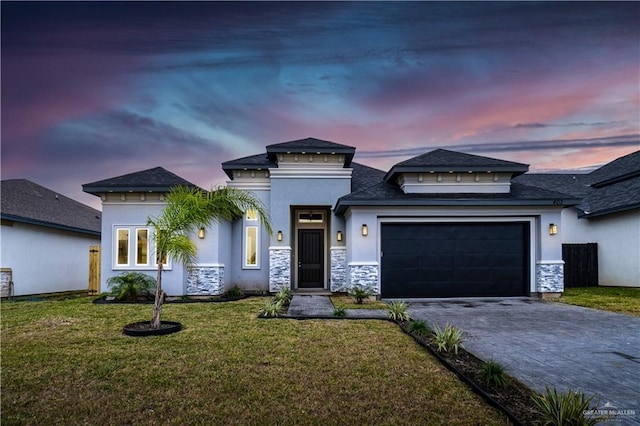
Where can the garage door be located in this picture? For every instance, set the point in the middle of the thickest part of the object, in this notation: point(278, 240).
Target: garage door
point(454, 260)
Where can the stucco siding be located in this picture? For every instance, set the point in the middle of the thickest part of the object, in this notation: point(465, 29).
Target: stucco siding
point(45, 260)
point(618, 238)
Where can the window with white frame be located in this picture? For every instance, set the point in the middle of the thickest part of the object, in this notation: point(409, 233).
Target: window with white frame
point(251, 252)
point(135, 249)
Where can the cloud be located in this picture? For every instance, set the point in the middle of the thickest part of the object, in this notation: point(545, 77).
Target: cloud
point(613, 141)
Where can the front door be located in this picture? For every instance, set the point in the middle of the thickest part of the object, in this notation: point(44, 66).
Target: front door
point(310, 258)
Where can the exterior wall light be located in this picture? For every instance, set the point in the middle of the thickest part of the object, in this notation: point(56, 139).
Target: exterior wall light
point(553, 229)
point(365, 230)
point(339, 236)
point(279, 237)
point(201, 233)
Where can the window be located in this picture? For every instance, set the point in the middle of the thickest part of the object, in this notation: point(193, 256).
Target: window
point(123, 247)
point(252, 215)
point(142, 246)
point(251, 247)
point(134, 248)
point(311, 217)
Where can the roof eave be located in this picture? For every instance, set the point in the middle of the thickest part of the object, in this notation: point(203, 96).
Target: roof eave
point(97, 190)
point(343, 205)
point(395, 171)
point(46, 224)
point(599, 213)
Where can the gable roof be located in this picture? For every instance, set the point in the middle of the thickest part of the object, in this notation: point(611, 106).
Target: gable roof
point(27, 202)
point(152, 180)
point(364, 176)
point(444, 161)
point(613, 188)
point(309, 146)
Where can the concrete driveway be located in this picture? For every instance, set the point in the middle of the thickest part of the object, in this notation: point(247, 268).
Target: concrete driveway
point(551, 344)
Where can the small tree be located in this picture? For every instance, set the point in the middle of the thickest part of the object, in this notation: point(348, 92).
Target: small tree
point(186, 210)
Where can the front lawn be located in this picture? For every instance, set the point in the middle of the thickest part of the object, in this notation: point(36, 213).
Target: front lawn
point(67, 362)
point(623, 300)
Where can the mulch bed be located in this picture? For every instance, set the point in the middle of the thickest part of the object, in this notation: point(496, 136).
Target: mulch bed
point(194, 299)
point(514, 399)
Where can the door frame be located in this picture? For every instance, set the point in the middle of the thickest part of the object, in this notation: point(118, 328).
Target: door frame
point(324, 226)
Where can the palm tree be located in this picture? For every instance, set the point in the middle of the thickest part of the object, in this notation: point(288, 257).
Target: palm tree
point(186, 210)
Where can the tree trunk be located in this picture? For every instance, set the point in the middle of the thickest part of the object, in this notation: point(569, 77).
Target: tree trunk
point(157, 305)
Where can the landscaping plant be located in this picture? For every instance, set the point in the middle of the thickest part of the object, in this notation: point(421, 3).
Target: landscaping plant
point(359, 294)
point(397, 310)
point(493, 374)
point(235, 293)
point(186, 210)
point(131, 285)
point(419, 328)
point(339, 311)
point(284, 295)
point(273, 308)
point(448, 338)
point(565, 409)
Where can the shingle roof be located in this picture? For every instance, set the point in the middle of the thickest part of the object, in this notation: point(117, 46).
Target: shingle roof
point(364, 176)
point(27, 202)
point(613, 188)
point(151, 180)
point(442, 160)
point(311, 145)
point(388, 194)
point(252, 162)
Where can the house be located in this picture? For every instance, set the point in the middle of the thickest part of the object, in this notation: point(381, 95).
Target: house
point(443, 224)
point(608, 214)
point(46, 240)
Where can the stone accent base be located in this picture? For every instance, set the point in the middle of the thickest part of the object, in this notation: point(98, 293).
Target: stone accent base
point(205, 280)
point(364, 276)
point(279, 268)
point(5, 282)
point(550, 276)
point(338, 269)
point(547, 296)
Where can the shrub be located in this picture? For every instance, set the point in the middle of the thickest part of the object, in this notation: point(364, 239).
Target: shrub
point(235, 293)
point(273, 308)
point(131, 285)
point(283, 295)
point(397, 310)
point(565, 409)
point(448, 338)
point(359, 294)
point(419, 328)
point(493, 374)
point(339, 311)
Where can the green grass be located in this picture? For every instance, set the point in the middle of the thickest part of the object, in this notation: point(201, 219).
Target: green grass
point(349, 302)
point(67, 362)
point(615, 299)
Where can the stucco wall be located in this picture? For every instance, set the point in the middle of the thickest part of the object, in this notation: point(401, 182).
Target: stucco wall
point(134, 211)
point(365, 250)
point(45, 260)
point(618, 238)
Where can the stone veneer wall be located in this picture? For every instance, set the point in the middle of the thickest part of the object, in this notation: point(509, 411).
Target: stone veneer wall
point(338, 269)
point(550, 276)
point(5, 282)
point(364, 276)
point(205, 281)
point(279, 268)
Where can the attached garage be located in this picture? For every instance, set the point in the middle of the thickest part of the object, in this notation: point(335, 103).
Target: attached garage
point(422, 260)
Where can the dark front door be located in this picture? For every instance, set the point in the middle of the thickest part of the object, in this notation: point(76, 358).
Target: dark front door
point(310, 258)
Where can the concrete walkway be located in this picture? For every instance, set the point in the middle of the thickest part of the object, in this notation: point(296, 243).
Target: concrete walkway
point(540, 343)
point(321, 306)
point(551, 344)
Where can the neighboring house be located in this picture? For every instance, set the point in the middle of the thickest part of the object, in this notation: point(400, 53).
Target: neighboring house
point(443, 224)
point(608, 214)
point(45, 239)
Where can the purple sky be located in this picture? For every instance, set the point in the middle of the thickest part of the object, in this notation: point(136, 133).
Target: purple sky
point(96, 90)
